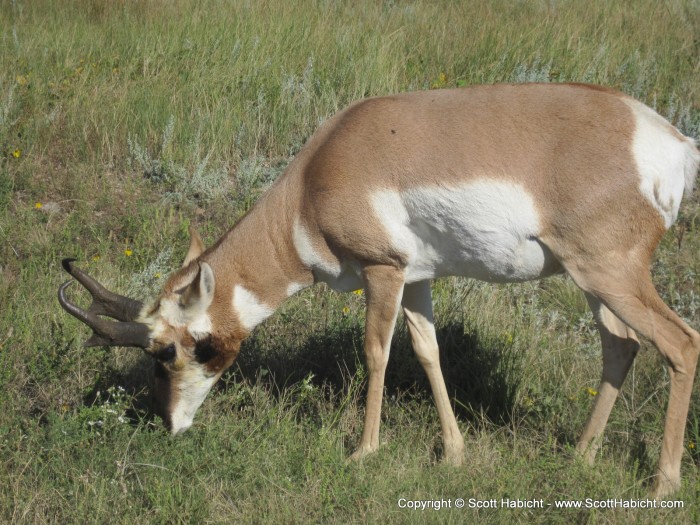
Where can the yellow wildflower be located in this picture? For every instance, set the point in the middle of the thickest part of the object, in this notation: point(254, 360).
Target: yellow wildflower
point(591, 392)
point(95, 257)
point(346, 310)
point(358, 292)
point(17, 153)
point(128, 252)
point(157, 276)
point(38, 205)
point(440, 81)
point(691, 445)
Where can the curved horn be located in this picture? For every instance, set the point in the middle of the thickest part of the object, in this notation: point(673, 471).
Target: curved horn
point(106, 333)
point(104, 302)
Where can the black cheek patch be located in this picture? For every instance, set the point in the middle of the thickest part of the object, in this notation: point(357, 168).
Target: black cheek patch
point(204, 351)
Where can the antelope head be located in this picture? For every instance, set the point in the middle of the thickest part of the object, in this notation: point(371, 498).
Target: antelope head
point(175, 329)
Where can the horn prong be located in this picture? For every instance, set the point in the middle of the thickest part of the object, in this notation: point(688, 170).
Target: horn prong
point(66, 263)
point(105, 333)
point(104, 302)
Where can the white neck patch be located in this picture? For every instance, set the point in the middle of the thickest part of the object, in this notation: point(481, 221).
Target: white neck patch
point(250, 310)
point(307, 253)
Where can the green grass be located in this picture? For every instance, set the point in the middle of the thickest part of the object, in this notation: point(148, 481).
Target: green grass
point(130, 120)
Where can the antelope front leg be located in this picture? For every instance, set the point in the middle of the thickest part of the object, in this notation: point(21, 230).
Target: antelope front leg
point(418, 309)
point(383, 286)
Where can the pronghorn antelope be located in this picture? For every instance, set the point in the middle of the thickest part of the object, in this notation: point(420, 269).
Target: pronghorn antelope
point(501, 183)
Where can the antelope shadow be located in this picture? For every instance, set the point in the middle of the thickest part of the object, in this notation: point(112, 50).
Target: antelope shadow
point(482, 377)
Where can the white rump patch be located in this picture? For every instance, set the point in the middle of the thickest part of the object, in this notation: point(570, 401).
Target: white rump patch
point(666, 162)
point(485, 229)
point(249, 309)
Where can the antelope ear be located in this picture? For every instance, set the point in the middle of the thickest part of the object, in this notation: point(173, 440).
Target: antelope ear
point(199, 294)
point(196, 247)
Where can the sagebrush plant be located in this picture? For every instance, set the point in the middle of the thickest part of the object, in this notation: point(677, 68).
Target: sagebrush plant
point(200, 184)
point(130, 121)
point(148, 281)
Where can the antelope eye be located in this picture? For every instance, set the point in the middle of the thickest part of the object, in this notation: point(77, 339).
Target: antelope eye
point(166, 354)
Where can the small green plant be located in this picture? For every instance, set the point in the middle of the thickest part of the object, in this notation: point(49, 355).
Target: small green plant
point(107, 411)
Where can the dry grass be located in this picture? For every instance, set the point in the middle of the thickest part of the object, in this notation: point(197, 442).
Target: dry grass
point(127, 121)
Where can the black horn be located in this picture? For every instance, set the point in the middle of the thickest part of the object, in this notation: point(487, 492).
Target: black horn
point(104, 302)
point(125, 332)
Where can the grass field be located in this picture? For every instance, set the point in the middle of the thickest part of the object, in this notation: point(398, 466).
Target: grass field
point(123, 122)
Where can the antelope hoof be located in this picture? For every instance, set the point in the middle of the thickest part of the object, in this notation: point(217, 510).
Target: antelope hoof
point(453, 457)
point(664, 487)
point(587, 453)
point(361, 453)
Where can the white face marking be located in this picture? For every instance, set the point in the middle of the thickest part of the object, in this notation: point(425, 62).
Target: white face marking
point(666, 164)
point(485, 229)
point(196, 320)
point(250, 310)
point(193, 314)
point(192, 387)
point(157, 328)
point(171, 312)
point(200, 327)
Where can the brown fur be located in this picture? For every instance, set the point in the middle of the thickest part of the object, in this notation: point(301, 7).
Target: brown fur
point(570, 148)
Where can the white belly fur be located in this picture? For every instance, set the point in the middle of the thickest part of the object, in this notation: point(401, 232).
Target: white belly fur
point(485, 230)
